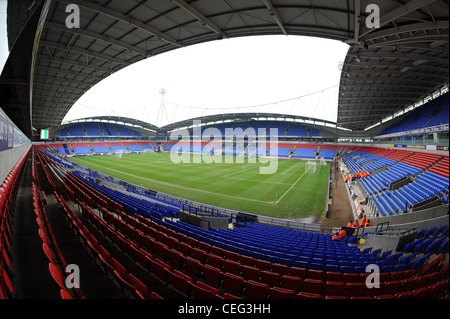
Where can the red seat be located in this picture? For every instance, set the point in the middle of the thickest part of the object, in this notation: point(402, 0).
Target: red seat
point(158, 268)
point(397, 275)
point(56, 275)
point(263, 264)
point(230, 296)
point(231, 255)
point(48, 253)
point(210, 274)
point(316, 274)
point(437, 289)
point(420, 293)
point(281, 269)
point(404, 295)
point(232, 282)
point(140, 286)
point(191, 265)
point(147, 243)
point(160, 249)
point(216, 251)
point(384, 297)
point(65, 294)
point(154, 295)
point(333, 288)
point(291, 282)
point(333, 276)
point(390, 287)
point(142, 258)
point(407, 284)
point(281, 293)
point(214, 260)
point(250, 273)
point(255, 290)
point(198, 254)
point(298, 272)
point(272, 279)
point(350, 277)
point(421, 282)
point(179, 281)
point(307, 295)
point(312, 286)
point(354, 289)
point(247, 260)
point(174, 257)
point(231, 266)
point(126, 286)
point(200, 290)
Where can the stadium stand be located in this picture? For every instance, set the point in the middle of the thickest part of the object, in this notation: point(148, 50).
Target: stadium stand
point(255, 261)
point(284, 128)
point(430, 114)
point(400, 181)
point(98, 129)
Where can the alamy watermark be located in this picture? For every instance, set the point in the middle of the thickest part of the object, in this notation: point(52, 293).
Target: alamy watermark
point(237, 143)
point(73, 18)
point(373, 19)
point(373, 279)
point(73, 277)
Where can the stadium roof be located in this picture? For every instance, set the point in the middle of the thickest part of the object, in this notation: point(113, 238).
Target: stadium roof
point(243, 117)
point(115, 119)
point(386, 69)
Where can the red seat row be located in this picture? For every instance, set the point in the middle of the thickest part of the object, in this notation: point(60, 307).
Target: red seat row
point(8, 193)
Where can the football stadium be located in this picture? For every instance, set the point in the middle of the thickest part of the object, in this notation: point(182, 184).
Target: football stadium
point(227, 204)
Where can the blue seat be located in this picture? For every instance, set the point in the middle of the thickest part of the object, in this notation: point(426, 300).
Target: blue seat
point(332, 268)
point(443, 247)
point(301, 264)
point(316, 266)
point(376, 252)
point(385, 254)
point(272, 259)
point(347, 269)
point(400, 267)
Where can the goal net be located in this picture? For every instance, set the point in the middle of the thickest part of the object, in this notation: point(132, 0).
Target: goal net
point(322, 161)
point(310, 167)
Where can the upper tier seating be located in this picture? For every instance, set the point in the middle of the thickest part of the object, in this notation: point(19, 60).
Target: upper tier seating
point(430, 114)
point(98, 129)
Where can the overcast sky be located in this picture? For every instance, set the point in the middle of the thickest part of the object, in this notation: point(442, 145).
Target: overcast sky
point(222, 77)
point(3, 36)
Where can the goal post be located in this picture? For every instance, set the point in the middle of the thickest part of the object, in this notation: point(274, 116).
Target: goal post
point(310, 167)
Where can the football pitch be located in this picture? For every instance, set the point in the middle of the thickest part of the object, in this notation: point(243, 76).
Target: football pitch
point(229, 182)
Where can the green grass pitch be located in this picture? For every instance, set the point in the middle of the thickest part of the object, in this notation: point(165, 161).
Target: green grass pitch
point(235, 183)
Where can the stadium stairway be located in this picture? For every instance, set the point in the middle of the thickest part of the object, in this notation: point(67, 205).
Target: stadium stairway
point(27, 258)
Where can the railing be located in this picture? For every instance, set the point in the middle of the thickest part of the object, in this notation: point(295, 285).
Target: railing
point(383, 229)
